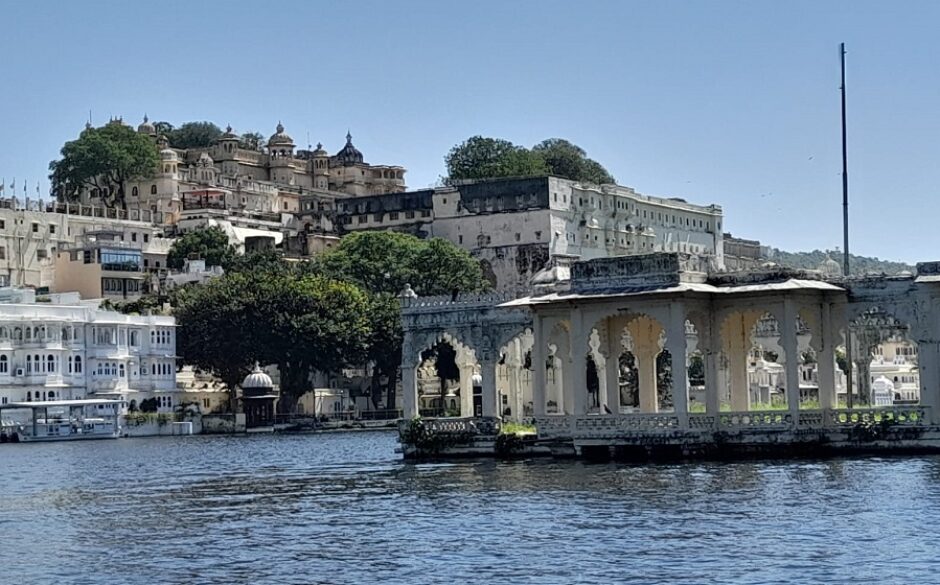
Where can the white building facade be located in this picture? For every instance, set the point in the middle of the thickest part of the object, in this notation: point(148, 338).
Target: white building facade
point(67, 350)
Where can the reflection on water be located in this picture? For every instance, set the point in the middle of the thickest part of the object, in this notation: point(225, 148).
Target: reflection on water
point(342, 508)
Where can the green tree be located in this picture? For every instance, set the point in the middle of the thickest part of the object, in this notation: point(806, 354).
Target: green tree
point(211, 244)
point(382, 263)
point(106, 159)
point(564, 159)
point(568, 160)
point(251, 141)
point(194, 135)
point(479, 157)
point(299, 324)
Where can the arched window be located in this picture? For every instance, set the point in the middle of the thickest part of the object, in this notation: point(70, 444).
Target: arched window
point(121, 370)
point(51, 395)
point(4, 364)
point(153, 189)
point(153, 369)
point(29, 334)
point(29, 364)
point(78, 364)
point(18, 334)
point(70, 364)
point(50, 364)
point(153, 337)
point(134, 192)
point(29, 395)
point(4, 333)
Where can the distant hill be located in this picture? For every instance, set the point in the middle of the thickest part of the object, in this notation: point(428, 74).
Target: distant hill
point(859, 264)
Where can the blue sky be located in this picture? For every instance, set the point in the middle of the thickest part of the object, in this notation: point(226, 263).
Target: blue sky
point(735, 103)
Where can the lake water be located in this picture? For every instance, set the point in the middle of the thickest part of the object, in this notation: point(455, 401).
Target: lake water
point(343, 508)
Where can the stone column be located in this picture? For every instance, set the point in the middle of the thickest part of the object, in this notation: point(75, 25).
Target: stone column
point(826, 360)
point(600, 367)
point(538, 367)
point(676, 342)
point(513, 368)
point(490, 402)
point(790, 347)
point(646, 379)
point(612, 373)
point(409, 389)
point(711, 355)
point(737, 346)
point(578, 376)
point(466, 390)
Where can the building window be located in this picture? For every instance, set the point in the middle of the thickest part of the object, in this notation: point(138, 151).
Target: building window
point(3, 253)
point(361, 219)
point(35, 228)
point(41, 254)
point(518, 237)
point(52, 229)
point(134, 192)
point(391, 216)
point(425, 213)
point(4, 364)
point(153, 189)
point(409, 215)
point(459, 239)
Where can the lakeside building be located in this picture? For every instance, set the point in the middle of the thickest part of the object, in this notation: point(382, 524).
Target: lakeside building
point(585, 317)
point(516, 225)
point(67, 349)
point(32, 236)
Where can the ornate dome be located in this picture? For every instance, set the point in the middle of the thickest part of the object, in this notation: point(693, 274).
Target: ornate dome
point(349, 155)
point(319, 151)
point(830, 267)
point(279, 138)
point(146, 127)
point(169, 155)
point(257, 379)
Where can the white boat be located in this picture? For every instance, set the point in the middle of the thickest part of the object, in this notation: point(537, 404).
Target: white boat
point(62, 420)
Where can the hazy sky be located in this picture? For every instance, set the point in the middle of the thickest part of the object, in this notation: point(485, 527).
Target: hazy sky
point(735, 103)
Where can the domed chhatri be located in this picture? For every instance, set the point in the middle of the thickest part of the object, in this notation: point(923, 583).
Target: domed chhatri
point(257, 379)
point(258, 400)
point(146, 127)
point(280, 138)
point(830, 267)
point(349, 155)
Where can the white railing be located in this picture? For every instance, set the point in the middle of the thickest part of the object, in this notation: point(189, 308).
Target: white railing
point(631, 425)
point(907, 416)
point(477, 426)
point(763, 420)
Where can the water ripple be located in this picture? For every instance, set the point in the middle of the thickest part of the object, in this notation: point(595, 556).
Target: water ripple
point(342, 508)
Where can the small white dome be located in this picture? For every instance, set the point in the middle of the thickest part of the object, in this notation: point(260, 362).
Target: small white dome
point(830, 267)
point(168, 155)
point(257, 379)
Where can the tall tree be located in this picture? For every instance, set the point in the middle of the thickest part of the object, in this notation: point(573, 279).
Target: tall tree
point(211, 244)
point(104, 159)
point(383, 263)
point(194, 135)
point(568, 160)
point(479, 157)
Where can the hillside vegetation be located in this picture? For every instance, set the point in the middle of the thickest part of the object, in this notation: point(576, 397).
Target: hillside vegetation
point(860, 264)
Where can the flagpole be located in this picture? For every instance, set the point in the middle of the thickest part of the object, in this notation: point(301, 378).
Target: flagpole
point(849, 400)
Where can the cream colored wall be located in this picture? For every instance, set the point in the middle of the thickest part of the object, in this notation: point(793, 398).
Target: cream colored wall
point(77, 276)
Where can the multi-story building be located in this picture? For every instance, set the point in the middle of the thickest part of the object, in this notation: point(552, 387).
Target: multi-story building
point(30, 238)
point(66, 350)
point(103, 264)
point(515, 225)
point(269, 180)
